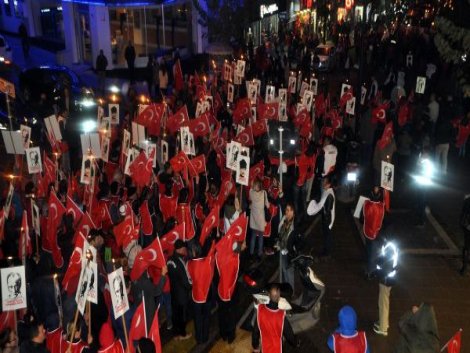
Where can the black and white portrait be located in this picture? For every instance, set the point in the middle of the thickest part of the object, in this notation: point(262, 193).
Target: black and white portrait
point(114, 113)
point(33, 158)
point(13, 288)
point(118, 292)
point(387, 176)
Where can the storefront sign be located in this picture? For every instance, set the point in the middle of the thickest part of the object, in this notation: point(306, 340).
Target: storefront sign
point(267, 10)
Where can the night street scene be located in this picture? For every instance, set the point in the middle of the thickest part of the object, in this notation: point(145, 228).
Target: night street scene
point(234, 176)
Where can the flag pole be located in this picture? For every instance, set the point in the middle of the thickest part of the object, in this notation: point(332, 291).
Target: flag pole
point(88, 304)
point(445, 346)
point(122, 316)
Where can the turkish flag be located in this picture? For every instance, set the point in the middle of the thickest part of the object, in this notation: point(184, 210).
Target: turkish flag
point(306, 129)
point(242, 110)
point(54, 219)
point(168, 206)
point(256, 171)
point(154, 333)
point(212, 221)
point(125, 232)
point(168, 240)
point(101, 216)
point(302, 117)
point(72, 275)
point(177, 120)
point(178, 76)
point(201, 271)
point(218, 103)
point(50, 169)
point(141, 169)
point(379, 113)
point(25, 248)
point(259, 127)
point(138, 325)
point(151, 118)
point(237, 231)
point(199, 164)
point(245, 137)
point(200, 126)
point(268, 111)
point(346, 97)
point(152, 255)
point(403, 114)
point(72, 208)
point(455, 343)
point(320, 105)
point(180, 161)
point(2, 224)
point(335, 119)
point(387, 136)
point(227, 187)
point(201, 92)
point(305, 164)
point(146, 219)
point(373, 217)
point(221, 162)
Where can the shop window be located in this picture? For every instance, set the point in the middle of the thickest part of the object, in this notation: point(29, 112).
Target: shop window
point(6, 4)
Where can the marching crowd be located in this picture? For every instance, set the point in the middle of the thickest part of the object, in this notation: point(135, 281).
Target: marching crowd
point(181, 226)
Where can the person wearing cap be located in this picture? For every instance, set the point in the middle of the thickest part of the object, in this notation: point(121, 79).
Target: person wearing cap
point(346, 337)
point(271, 325)
point(180, 290)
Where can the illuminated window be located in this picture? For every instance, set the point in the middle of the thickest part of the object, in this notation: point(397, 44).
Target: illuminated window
point(6, 4)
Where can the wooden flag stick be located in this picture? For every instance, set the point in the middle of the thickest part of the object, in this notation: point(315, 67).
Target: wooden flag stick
point(74, 326)
point(88, 304)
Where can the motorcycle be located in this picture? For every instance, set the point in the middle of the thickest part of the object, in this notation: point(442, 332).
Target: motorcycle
point(303, 313)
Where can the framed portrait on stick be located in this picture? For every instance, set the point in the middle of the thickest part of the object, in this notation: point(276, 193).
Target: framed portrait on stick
point(13, 288)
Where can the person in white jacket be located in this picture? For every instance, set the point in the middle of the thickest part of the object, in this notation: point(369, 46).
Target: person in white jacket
point(327, 206)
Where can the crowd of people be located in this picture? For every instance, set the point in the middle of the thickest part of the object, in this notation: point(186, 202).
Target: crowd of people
point(183, 233)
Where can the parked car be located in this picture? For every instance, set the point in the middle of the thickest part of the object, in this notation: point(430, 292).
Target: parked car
point(325, 58)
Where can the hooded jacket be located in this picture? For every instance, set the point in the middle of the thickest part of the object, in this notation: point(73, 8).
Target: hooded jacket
point(347, 326)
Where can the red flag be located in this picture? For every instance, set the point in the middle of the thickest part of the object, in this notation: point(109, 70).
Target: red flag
point(199, 164)
point(268, 111)
point(387, 136)
point(152, 255)
point(146, 218)
point(125, 232)
point(177, 120)
point(302, 117)
point(2, 224)
point(237, 230)
point(54, 219)
point(25, 248)
point(335, 119)
point(151, 118)
point(201, 92)
point(256, 171)
point(218, 103)
point(84, 226)
point(72, 275)
point(379, 113)
point(259, 127)
point(320, 105)
point(154, 333)
point(221, 162)
point(169, 239)
point(306, 129)
point(200, 126)
point(141, 169)
point(212, 221)
point(72, 208)
point(403, 113)
point(227, 187)
point(178, 76)
point(7, 320)
point(138, 325)
point(346, 97)
point(242, 110)
point(201, 271)
point(180, 161)
point(50, 169)
point(245, 137)
point(453, 346)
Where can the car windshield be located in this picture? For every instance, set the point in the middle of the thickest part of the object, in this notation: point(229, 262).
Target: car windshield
point(322, 51)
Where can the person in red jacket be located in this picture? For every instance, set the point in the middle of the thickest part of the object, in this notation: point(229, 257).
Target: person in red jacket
point(271, 325)
point(373, 212)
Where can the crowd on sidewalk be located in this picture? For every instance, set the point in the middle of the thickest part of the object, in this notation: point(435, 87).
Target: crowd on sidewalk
point(175, 207)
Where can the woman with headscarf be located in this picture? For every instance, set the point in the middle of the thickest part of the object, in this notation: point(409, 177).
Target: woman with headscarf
point(418, 331)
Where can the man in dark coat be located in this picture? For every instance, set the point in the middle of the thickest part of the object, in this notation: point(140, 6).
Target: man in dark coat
point(180, 289)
